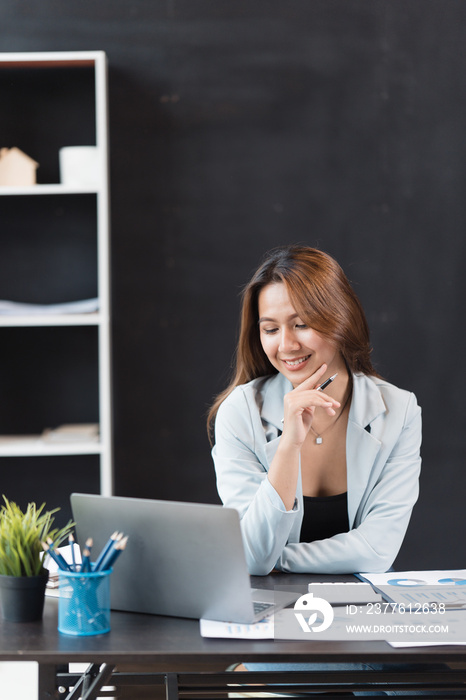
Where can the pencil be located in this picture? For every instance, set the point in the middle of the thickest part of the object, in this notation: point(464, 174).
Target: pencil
point(86, 560)
point(113, 554)
point(71, 543)
point(58, 557)
point(113, 538)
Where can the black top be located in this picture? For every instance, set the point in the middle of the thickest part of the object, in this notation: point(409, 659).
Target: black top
point(324, 517)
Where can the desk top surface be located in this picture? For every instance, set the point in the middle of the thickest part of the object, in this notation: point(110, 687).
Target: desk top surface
point(169, 643)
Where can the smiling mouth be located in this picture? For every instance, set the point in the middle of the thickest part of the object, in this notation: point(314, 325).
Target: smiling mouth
point(295, 363)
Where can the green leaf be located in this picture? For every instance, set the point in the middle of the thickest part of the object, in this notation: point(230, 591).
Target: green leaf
point(21, 535)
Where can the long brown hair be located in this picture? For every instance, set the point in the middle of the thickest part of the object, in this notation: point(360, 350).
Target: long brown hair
point(322, 297)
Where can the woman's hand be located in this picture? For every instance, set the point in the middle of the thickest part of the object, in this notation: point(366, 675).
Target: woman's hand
point(299, 409)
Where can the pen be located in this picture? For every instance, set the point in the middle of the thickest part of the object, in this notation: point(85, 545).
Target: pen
point(327, 382)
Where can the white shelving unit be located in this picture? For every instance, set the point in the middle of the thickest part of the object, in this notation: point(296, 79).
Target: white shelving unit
point(27, 445)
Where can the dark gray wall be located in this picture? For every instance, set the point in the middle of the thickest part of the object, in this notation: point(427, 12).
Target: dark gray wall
point(240, 125)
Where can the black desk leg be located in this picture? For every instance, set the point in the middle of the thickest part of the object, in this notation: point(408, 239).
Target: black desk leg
point(171, 686)
point(47, 682)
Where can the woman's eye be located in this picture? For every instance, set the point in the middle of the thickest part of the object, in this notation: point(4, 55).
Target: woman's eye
point(269, 331)
point(301, 325)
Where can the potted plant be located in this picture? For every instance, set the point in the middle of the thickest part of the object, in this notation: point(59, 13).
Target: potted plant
point(23, 576)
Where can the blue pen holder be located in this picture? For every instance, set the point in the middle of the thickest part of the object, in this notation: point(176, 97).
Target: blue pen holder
point(84, 602)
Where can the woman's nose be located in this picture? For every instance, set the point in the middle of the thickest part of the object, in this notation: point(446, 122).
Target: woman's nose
point(288, 341)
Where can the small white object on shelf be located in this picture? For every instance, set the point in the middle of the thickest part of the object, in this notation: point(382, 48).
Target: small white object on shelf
point(80, 166)
point(72, 432)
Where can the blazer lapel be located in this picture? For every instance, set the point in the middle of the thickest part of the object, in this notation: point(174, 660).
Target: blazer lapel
point(362, 447)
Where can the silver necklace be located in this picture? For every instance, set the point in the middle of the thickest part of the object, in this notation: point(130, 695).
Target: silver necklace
point(319, 439)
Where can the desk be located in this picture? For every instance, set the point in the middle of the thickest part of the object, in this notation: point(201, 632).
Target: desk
point(176, 656)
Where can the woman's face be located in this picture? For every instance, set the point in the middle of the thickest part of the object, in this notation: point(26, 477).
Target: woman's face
point(292, 347)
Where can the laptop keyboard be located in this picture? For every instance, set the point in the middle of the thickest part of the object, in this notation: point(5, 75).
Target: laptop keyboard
point(260, 608)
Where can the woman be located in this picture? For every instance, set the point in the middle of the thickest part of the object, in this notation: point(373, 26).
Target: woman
point(324, 480)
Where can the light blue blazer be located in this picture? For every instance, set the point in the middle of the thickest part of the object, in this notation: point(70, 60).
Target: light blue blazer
point(383, 464)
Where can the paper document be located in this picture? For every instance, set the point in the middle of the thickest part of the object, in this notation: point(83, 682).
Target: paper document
point(237, 630)
point(415, 589)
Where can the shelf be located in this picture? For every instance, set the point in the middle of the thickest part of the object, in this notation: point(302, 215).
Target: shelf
point(35, 446)
point(93, 319)
point(57, 246)
point(8, 191)
point(55, 59)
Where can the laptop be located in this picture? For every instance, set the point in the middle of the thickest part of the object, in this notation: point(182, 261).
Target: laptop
point(182, 559)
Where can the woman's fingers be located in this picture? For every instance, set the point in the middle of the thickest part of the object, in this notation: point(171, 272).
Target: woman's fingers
point(312, 398)
point(298, 402)
point(312, 381)
point(301, 403)
point(299, 408)
point(308, 394)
